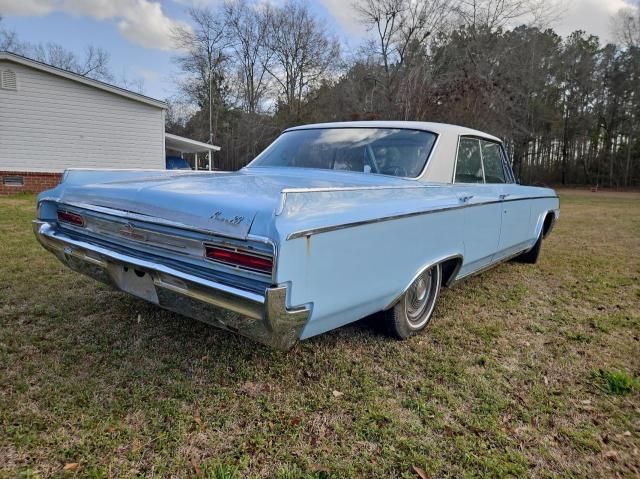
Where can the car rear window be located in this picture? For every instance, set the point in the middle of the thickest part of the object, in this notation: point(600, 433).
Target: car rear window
point(385, 151)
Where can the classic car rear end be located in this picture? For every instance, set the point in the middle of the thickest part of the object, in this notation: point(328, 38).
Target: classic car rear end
point(328, 225)
point(223, 281)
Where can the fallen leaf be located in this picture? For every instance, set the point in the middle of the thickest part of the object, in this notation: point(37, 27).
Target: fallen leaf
point(295, 421)
point(420, 472)
point(71, 466)
point(585, 401)
point(337, 394)
point(546, 380)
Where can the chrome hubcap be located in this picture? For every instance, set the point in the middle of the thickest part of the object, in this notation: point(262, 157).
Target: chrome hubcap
point(420, 298)
point(417, 297)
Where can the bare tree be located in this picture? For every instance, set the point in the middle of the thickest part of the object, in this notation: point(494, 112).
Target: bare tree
point(9, 41)
point(491, 15)
point(135, 84)
point(626, 26)
point(93, 64)
point(204, 46)
point(401, 29)
point(248, 29)
point(303, 53)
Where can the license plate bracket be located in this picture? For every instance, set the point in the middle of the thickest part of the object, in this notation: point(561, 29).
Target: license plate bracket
point(134, 281)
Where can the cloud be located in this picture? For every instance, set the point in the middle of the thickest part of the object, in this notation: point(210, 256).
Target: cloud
point(592, 16)
point(25, 7)
point(140, 21)
point(197, 3)
point(345, 14)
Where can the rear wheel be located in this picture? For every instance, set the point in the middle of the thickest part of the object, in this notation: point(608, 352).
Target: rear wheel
point(413, 311)
point(531, 256)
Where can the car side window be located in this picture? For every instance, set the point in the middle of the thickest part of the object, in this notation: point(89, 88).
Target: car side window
point(511, 178)
point(469, 162)
point(492, 161)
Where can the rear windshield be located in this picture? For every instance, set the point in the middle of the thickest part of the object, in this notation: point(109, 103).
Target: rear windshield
point(384, 151)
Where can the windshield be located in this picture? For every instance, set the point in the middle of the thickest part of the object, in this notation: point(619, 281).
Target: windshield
point(385, 151)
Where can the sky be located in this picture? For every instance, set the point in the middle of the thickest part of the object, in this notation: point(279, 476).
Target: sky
point(136, 33)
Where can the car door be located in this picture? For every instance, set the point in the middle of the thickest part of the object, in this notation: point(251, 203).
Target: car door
point(481, 206)
point(515, 208)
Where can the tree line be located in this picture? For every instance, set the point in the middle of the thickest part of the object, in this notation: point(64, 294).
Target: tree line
point(567, 108)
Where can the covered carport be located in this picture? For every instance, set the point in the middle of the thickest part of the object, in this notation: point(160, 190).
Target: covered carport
point(179, 145)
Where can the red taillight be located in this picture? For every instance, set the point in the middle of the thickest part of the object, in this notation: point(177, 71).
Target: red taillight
point(71, 218)
point(236, 258)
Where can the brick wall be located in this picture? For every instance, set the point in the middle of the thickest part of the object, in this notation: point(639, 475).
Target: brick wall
point(33, 182)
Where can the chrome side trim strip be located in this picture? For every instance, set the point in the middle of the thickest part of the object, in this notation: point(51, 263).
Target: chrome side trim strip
point(326, 229)
point(330, 189)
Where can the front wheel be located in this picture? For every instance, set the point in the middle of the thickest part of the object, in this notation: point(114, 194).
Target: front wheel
point(413, 311)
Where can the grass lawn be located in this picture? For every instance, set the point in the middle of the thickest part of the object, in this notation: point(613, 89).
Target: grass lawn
point(526, 371)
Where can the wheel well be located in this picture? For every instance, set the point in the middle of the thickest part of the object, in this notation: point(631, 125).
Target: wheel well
point(548, 224)
point(450, 268)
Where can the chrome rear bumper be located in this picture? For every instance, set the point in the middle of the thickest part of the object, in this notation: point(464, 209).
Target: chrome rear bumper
point(264, 318)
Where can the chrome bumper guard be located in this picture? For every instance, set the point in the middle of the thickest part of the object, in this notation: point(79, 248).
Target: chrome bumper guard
point(263, 318)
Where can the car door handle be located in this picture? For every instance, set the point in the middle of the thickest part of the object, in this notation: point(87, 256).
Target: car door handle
point(464, 199)
point(505, 195)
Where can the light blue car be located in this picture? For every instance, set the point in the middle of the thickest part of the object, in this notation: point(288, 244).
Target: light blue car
point(331, 223)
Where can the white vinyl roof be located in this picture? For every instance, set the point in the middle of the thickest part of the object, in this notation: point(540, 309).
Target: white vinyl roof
point(439, 128)
point(12, 57)
point(187, 145)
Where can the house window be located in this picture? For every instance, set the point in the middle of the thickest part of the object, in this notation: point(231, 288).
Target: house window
point(8, 80)
point(13, 180)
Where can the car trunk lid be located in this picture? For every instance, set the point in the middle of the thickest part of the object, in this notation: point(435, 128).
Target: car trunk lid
point(227, 204)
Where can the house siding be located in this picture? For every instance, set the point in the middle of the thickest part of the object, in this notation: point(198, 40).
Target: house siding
point(52, 123)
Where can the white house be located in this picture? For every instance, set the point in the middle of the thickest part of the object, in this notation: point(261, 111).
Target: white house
point(52, 119)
